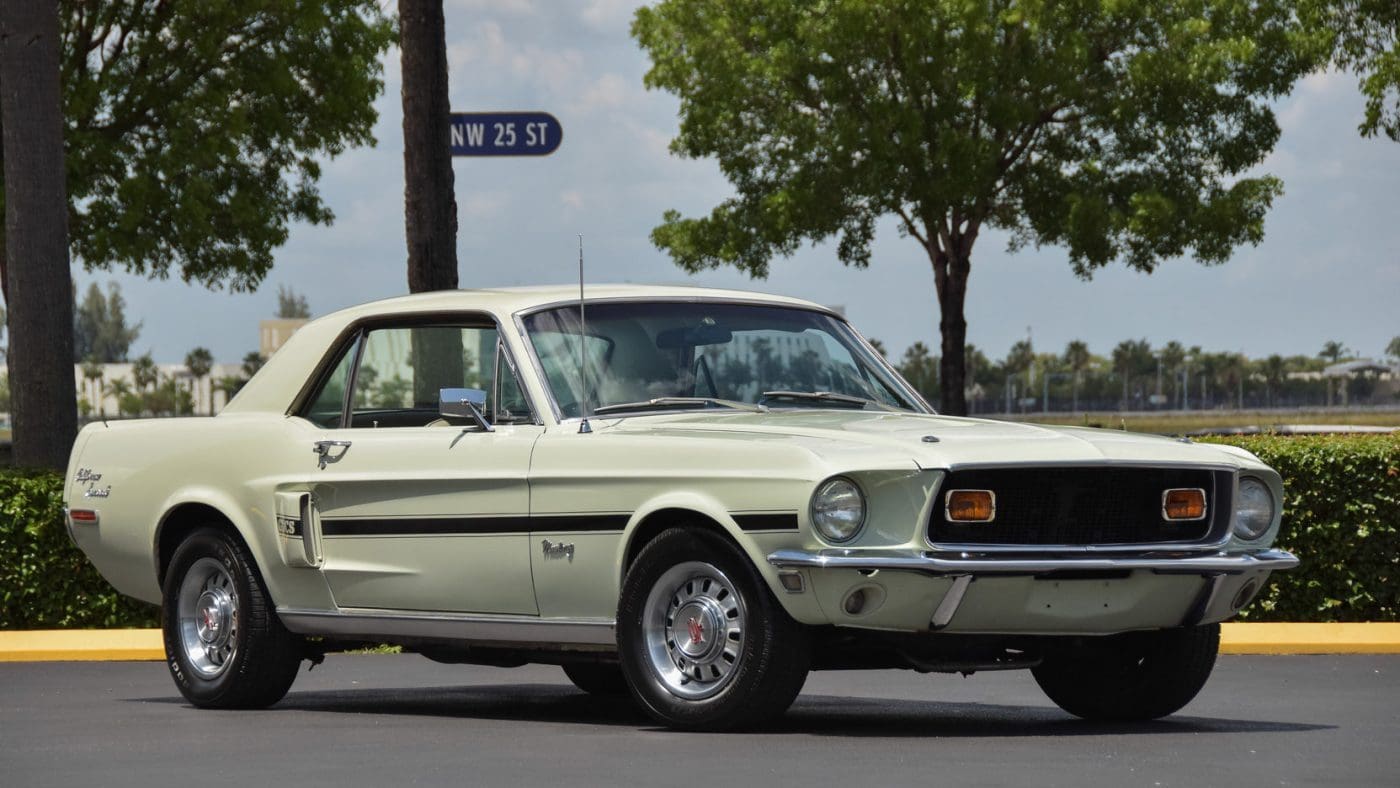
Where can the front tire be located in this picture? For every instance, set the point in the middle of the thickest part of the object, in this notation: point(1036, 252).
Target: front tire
point(224, 644)
point(702, 641)
point(1133, 676)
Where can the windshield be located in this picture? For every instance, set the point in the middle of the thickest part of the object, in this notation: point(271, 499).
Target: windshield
point(706, 355)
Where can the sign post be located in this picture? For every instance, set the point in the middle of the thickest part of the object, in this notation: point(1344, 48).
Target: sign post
point(505, 134)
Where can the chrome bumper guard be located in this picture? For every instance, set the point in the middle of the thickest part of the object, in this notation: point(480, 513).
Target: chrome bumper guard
point(954, 564)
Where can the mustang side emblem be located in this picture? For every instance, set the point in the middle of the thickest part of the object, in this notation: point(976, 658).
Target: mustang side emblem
point(91, 478)
point(697, 631)
point(557, 550)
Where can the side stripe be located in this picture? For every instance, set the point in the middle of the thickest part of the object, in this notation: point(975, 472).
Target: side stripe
point(767, 521)
point(494, 524)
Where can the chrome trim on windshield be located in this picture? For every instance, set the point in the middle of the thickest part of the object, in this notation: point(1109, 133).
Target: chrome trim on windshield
point(931, 563)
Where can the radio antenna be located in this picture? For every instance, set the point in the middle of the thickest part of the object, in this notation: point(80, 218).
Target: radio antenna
point(583, 426)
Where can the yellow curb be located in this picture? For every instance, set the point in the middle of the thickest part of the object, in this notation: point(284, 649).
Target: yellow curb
point(81, 645)
point(98, 645)
point(1243, 638)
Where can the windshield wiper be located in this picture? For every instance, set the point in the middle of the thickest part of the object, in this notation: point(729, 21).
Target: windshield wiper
point(827, 396)
point(679, 402)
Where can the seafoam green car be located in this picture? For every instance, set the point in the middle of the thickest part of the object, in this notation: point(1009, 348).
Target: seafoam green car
point(695, 496)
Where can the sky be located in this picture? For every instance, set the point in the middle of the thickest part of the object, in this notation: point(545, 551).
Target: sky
point(1328, 269)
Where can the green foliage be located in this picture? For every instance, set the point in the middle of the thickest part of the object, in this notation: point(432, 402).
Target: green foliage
point(100, 332)
point(46, 582)
point(193, 130)
point(1366, 43)
point(291, 304)
point(1341, 517)
point(4, 393)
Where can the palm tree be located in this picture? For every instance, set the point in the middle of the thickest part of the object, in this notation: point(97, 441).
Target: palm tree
point(199, 361)
point(1274, 370)
point(918, 367)
point(144, 373)
point(252, 363)
point(1173, 356)
point(93, 373)
point(1334, 351)
point(120, 391)
point(1077, 358)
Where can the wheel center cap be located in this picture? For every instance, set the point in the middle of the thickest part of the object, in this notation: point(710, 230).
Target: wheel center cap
point(696, 629)
point(213, 613)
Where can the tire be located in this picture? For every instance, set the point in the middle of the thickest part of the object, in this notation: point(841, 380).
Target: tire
point(604, 680)
point(1134, 676)
point(224, 645)
point(744, 679)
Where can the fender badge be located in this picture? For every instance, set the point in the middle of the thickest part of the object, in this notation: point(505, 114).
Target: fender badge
point(557, 550)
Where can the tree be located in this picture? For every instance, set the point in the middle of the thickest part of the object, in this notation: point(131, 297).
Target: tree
point(291, 304)
point(430, 208)
point(1118, 130)
point(93, 374)
point(1173, 356)
point(1131, 358)
point(1366, 42)
point(252, 362)
point(875, 343)
point(1077, 358)
point(192, 134)
point(3, 351)
point(1333, 351)
point(199, 361)
point(1393, 349)
point(100, 331)
point(920, 369)
point(144, 373)
point(1274, 369)
point(37, 288)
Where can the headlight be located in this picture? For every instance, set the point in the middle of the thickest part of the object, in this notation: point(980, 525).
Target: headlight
point(838, 510)
point(1254, 510)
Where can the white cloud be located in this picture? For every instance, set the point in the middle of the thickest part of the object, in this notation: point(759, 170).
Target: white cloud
point(609, 15)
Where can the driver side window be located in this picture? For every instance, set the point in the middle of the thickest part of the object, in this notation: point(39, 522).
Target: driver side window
point(401, 371)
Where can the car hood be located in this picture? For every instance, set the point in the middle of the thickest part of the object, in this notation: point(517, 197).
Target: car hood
point(930, 441)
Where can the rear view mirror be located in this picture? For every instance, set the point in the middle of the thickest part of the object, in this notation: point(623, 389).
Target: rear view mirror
point(464, 404)
point(703, 334)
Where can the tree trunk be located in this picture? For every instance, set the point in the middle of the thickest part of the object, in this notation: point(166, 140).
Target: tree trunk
point(430, 208)
point(950, 269)
point(43, 394)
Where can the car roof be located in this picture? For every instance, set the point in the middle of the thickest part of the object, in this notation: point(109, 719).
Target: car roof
point(284, 375)
point(510, 300)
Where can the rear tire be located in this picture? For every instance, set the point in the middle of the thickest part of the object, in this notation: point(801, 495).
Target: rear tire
point(224, 645)
point(702, 641)
point(1133, 676)
point(605, 680)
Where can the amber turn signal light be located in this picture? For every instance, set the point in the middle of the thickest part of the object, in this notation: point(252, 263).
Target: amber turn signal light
point(971, 506)
point(1188, 503)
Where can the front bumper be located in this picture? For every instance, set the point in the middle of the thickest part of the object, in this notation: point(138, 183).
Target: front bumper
point(922, 590)
point(930, 563)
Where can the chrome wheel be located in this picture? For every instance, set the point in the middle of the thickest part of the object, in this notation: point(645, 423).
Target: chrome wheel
point(693, 625)
point(208, 617)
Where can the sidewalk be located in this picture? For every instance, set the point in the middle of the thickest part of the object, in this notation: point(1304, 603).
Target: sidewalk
point(96, 645)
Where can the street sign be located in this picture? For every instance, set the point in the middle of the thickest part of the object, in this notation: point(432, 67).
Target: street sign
point(505, 134)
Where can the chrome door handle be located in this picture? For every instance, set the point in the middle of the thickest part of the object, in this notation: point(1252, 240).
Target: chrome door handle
point(323, 451)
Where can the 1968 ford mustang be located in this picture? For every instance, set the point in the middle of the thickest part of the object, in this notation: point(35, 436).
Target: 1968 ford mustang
point(694, 496)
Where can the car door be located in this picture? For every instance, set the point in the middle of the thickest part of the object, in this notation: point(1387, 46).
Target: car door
point(412, 511)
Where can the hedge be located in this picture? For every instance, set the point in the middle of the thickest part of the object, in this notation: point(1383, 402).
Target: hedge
point(45, 582)
point(1341, 516)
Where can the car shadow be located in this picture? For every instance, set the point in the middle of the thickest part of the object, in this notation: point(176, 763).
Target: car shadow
point(820, 715)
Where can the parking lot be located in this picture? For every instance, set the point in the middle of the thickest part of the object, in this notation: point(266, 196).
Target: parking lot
point(384, 719)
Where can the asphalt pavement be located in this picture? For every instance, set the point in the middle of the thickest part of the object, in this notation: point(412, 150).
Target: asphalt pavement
point(402, 720)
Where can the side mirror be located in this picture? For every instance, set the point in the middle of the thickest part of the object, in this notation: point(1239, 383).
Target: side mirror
point(464, 404)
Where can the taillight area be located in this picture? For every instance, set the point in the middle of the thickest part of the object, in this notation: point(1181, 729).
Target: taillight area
point(82, 516)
